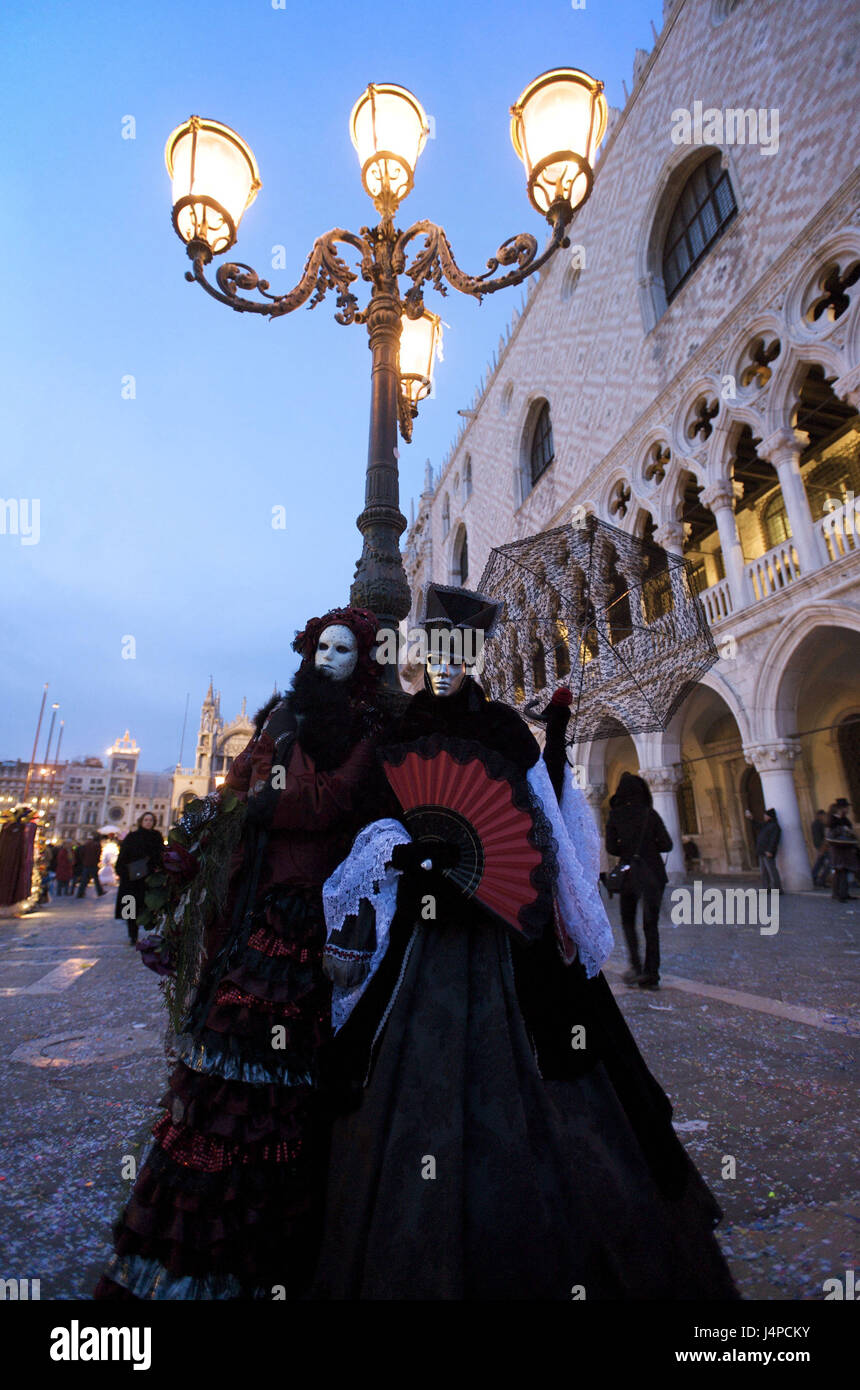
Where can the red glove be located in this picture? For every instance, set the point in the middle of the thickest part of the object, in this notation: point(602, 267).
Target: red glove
point(562, 696)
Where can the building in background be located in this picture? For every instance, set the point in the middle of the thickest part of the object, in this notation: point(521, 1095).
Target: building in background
point(690, 372)
point(218, 743)
point(79, 797)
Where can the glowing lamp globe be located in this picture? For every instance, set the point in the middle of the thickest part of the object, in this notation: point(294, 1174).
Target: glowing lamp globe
point(556, 127)
point(215, 178)
point(388, 128)
point(420, 345)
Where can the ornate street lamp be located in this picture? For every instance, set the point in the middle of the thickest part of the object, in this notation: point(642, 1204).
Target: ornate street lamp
point(556, 127)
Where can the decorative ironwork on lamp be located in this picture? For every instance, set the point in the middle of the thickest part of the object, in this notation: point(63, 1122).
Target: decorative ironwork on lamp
point(556, 127)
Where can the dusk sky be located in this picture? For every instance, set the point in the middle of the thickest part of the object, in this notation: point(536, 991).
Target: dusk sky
point(155, 512)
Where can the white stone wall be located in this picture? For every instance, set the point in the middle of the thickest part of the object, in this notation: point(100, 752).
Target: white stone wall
point(622, 372)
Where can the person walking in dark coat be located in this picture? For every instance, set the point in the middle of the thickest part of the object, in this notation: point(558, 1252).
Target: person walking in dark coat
point(821, 867)
point(768, 833)
point(91, 853)
point(140, 854)
point(636, 833)
point(77, 868)
point(842, 845)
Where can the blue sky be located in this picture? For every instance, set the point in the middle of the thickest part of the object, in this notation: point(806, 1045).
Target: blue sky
point(155, 513)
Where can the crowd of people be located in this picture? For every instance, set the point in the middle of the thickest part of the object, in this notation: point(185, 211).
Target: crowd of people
point(106, 861)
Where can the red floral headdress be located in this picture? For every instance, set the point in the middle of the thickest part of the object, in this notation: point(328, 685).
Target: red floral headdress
point(362, 624)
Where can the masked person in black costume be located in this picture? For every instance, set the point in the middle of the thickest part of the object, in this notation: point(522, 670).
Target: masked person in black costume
point(502, 1137)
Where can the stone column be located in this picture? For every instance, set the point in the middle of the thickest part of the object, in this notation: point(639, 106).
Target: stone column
point(664, 783)
point(783, 449)
point(671, 537)
point(720, 499)
point(595, 795)
point(774, 763)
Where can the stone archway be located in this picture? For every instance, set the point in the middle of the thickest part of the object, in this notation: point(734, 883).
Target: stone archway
point(699, 769)
point(817, 704)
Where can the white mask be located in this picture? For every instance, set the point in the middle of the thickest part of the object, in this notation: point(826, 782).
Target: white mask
point(337, 652)
point(445, 677)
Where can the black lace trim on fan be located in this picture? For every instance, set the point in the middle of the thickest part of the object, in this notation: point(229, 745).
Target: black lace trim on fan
point(533, 918)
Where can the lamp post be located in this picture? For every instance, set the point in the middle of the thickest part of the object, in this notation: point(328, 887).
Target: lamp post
point(556, 127)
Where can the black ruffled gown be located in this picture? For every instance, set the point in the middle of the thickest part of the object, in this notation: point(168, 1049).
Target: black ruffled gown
point(487, 1158)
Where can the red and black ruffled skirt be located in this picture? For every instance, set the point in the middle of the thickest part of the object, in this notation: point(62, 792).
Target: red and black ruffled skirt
point(228, 1201)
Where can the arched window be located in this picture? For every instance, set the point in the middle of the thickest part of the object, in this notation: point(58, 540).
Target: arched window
point(518, 679)
point(538, 660)
point(705, 206)
point(774, 519)
point(461, 558)
point(619, 617)
point(446, 516)
point(656, 585)
point(562, 651)
point(467, 478)
point(542, 451)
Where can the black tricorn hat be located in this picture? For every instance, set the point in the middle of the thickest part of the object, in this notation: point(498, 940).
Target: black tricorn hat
point(446, 606)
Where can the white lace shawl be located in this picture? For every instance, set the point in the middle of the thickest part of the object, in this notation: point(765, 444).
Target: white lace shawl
point(365, 873)
point(580, 906)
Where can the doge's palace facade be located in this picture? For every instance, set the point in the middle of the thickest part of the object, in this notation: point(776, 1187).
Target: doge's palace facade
point(690, 371)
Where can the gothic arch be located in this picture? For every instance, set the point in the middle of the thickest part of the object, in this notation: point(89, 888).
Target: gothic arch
point(679, 441)
point(529, 416)
point(672, 489)
point(658, 436)
point(789, 636)
point(676, 170)
point(789, 379)
point(842, 246)
point(666, 746)
point(459, 552)
point(768, 325)
point(724, 441)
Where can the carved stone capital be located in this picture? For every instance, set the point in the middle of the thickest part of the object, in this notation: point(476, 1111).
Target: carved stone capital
point(784, 446)
point(848, 387)
point(662, 779)
point(671, 536)
point(773, 757)
point(719, 495)
point(595, 793)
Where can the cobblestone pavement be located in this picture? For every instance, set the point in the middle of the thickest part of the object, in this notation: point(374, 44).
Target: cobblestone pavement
point(755, 1037)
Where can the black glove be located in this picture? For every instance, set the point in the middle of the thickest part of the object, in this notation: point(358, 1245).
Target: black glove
point(261, 805)
point(280, 722)
point(431, 854)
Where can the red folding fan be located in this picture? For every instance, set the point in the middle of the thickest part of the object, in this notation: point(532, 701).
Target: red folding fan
point(449, 793)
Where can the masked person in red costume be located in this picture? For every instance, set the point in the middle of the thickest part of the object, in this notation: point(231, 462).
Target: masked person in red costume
point(226, 1204)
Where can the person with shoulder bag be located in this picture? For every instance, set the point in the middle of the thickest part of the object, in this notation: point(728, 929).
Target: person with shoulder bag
point(139, 856)
point(638, 836)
